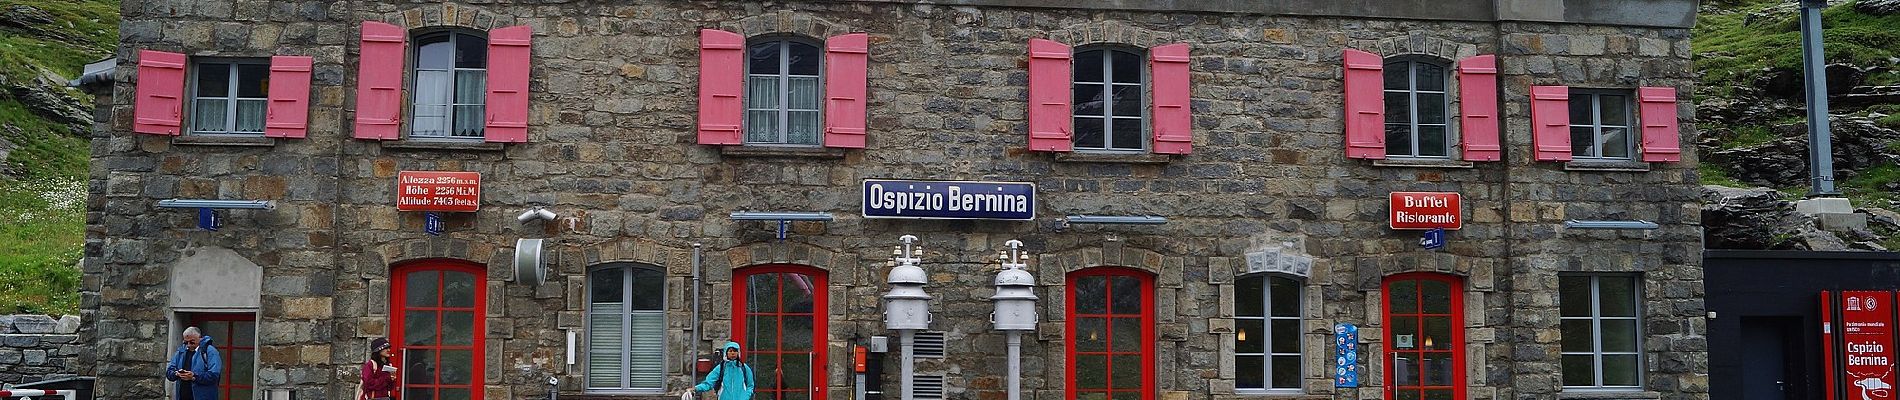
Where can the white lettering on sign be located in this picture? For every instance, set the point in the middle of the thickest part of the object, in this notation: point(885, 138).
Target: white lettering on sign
point(1412, 217)
point(954, 200)
point(1427, 201)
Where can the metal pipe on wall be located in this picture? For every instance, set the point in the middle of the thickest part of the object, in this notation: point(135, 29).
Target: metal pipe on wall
point(692, 350)
point(906, 338)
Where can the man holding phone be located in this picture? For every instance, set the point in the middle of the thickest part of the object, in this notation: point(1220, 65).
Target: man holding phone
point(195, 366)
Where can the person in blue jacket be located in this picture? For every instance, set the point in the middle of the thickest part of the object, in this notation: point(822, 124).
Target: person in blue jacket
point(195, 366)
point(732, 378)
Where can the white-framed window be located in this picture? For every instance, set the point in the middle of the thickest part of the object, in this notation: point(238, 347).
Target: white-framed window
point(229, 97)
point(1110, 82)
point(783, 91)
point(450, 77)
point(1267, 334)
point(1601, 331)
point(626, 328)
point(1417, 109)
point(1600, 124)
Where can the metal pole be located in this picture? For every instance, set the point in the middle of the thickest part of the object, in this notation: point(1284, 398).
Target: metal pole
point(907, 338)
point(692, 349)
point(1820, 148)
point(1015, 365)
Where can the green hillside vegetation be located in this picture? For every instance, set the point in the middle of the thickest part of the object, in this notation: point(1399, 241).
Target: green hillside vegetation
point(42, 179)
point(1738, 42)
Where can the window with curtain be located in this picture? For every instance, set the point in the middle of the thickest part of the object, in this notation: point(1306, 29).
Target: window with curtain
point(1600, 124)
point(1601, 332)
point(1108, 106)
point(451, 73)
point(626, 329)
point(1267, 334)
point(1415, 108)
point(230, 97)
point(782, 92)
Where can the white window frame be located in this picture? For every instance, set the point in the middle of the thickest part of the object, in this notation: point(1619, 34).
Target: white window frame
point(230, 97)
point(1108, 117)
point(1596, 123)
point(448, 119)
point(784, 76)
point(1267, 318)
point(626, 322)
point(1596, 319)
point(1411, 93)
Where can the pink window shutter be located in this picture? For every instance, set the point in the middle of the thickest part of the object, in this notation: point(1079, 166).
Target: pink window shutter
point(1365, 105)
point(1662, 141)
point(159, 107)
point(1550, 122)
point(847, 66)
point(507, 102)
point(1173, 119)
point(1478, 107)
point(1050, 96)
point(288, 114)
point(721, 82)
point(379, 81)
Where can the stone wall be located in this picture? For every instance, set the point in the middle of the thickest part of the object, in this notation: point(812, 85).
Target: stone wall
point(612, 146)
point(37, 347)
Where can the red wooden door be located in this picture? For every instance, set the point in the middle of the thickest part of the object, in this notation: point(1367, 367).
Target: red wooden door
point(1111, 334)
point(235, 337)
point(779, 319)
point(1424, 352)
point(437, 325)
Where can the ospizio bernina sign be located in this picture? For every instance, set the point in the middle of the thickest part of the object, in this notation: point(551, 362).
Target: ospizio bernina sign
point(438, 191)
point(887, 198)
point(1426, 210)
point(1867, 327)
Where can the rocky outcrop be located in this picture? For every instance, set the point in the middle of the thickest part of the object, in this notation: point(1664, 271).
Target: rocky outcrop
point(1762, 219)
point(1858, 143)
point(1878, 7)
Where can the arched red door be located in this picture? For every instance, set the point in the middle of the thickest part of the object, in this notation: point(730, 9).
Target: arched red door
point(779, 314)
point(1111, 336)
point(1425, 337)
point(436, 320)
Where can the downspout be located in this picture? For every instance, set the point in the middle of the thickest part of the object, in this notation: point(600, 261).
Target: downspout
point(692, 350)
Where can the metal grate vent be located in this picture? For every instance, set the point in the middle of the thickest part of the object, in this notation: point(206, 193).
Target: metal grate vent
point(927, 387)
point(929, 344)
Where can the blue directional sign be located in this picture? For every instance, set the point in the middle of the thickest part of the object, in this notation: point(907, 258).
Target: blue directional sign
point(1346, 356)
point(208, 219)
point(1434, 239)
point(884, 198)
point(432, 223)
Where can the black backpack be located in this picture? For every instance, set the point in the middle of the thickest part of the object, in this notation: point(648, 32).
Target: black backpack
point(720, 382)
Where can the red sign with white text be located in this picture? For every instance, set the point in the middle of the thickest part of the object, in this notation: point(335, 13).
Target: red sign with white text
point(438, 191)
point(1867, 328)
point(1426, 210)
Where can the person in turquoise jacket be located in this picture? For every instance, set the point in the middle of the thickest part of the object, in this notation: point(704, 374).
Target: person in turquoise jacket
point(732, 378)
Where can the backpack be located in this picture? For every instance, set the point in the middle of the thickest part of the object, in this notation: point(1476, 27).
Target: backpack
point(720, 382)
point(359, 395)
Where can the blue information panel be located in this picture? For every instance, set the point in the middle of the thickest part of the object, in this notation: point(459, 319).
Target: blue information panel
point(1346, 357)
point(886, 198)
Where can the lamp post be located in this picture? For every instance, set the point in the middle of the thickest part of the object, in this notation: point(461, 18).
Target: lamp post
point(906, 306)
point(1820, 143)
point(1015, 309)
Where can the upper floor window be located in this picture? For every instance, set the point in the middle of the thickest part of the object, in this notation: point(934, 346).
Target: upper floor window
point(230, 97)
point(1601, 334)
point(1267, 334)
point(782, 92)
point(626, 328)
point(1108, 108)
point(1415, 108)
point(1600, 124)
point(451, 71)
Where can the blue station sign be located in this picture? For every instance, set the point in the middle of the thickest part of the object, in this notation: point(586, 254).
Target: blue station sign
point(889, 198)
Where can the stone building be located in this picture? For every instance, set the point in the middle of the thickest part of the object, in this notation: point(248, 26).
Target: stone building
point(1259, 145)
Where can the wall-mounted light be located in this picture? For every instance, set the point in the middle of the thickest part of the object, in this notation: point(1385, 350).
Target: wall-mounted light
point(535, 213)
point(222, 204)
point(780, 216)
point(1583, 224)
point(1116, 219)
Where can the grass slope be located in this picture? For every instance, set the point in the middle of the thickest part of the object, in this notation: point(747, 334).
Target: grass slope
point(42, 215)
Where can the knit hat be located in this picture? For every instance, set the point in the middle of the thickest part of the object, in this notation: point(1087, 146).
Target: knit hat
point(378, 345)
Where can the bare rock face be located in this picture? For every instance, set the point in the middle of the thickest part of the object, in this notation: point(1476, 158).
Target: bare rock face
point(1878, 7)
point(1755, 219)
point(1859, 144)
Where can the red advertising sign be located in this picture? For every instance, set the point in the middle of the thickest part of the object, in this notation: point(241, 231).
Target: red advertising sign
point(1867, 328)
point(438, 191)
point(1426, 210)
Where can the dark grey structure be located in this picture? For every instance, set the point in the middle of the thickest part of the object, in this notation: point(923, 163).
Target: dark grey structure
point(611, 148)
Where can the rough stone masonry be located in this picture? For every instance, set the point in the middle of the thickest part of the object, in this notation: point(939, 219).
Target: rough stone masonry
point(611, 148)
